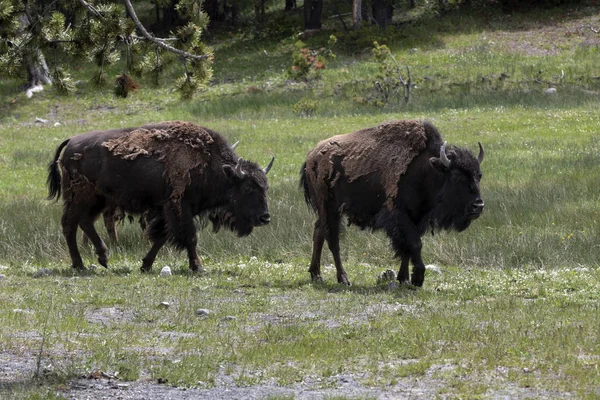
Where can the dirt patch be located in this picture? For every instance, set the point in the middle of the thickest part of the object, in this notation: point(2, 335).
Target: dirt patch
point(109, 315)
point(548, 39)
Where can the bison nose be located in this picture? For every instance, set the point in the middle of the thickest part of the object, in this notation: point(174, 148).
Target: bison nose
point(477, 206)
point(265, 218)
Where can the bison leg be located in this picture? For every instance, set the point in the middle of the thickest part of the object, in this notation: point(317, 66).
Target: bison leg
point(148, 260)
point(69, 222)
point(110, 224)
point(315, 262)
point(333, 241)
point(418, 272)
point(87, 226)
point(190, 245)
point(403, 275)
point(406, 241)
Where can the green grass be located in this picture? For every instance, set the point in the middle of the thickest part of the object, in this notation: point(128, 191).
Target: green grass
point(513, 313)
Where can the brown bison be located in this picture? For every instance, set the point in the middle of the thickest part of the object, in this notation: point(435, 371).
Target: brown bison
point(399, 177)
point(170, 172)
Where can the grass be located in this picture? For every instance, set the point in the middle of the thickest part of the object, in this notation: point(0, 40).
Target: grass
point(513, 313)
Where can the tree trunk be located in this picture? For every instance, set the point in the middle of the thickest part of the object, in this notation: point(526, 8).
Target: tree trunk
point(290, 5)
point(259, 12)
point(313, 10)
point(37, 69)
point(382, 12)
point(356, 13)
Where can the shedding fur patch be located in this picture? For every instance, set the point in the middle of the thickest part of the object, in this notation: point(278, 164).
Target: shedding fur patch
point(181, 146)
point(389, 148)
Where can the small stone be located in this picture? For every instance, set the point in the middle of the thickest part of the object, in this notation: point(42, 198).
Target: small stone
point(122, 386)
point(229, 318)
point(57, 123)
point(387, 275)
point(433, 268)
point(202, 312)
point(93, 267)
point(42, 272)
point(164, 304)
point(550, 91)
point(2, 277)
point(526, 370)
point(166, 271)
point(3, 267)
point(393, 285)
point(40, 120)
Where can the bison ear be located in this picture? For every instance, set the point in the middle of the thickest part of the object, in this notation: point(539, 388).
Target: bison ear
point(438, 164)
point(232, 173)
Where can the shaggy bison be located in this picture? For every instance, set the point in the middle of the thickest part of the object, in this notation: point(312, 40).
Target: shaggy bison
point(399, 177)
point(170, 172)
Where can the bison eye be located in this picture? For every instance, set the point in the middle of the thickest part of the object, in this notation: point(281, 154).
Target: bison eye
point(480, 175)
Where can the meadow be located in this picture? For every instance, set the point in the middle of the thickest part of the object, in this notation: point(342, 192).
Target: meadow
point(512, 311)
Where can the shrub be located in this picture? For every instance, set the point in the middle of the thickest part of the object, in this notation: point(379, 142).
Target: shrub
point(305, 107)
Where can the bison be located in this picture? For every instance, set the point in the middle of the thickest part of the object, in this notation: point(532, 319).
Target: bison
point(400, 177)
point(168, 172)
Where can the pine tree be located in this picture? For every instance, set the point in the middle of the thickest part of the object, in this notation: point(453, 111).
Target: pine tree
point(40, 41)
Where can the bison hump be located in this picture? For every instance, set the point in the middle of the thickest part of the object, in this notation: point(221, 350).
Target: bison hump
point(181, 146)
point(387, 149)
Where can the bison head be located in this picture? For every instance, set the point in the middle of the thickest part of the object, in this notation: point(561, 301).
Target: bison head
point(246, 198)
point(459, 198)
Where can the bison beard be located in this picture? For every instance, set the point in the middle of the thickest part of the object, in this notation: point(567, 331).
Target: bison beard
point(170, 172)
point(398, 177)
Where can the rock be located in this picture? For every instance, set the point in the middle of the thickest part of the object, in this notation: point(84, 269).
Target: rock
point(93, 267)
point(433, 268)
point(42, 272)
point(387, 275)
point(57, 123)
point(393, 285)
point(166, 271)
point(164, 304)
point(3, 267)
point(550, 91)
point(229, 318)
point(40, 120)
point(202, 312)
point(2, 277)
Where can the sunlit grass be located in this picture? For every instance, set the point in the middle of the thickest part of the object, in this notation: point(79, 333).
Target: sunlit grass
point(514, 311)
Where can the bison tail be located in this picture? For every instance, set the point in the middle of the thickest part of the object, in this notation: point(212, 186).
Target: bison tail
point(304, 185)
point(54, 174)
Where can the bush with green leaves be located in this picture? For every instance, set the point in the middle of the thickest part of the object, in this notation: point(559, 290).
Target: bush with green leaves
point(308, 63)
point(389, 84)
point(306, 107)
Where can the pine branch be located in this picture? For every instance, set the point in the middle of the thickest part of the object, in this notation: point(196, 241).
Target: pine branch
point(91, 9)
point(157, 41)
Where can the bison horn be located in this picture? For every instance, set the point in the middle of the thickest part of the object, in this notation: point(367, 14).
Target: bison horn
point(238, 168)
point(268, 167)
point(443, 158)
point(233, 146)
point(481, 153)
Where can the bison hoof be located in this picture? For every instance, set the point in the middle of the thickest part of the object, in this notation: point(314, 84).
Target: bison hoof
point(316, 278)
point(197, 269)
point(79, 267)
point(146, 268)
point(417, 281)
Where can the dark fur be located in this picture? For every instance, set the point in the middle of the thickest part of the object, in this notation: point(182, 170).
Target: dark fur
point(95, 180)
point(430, 196)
